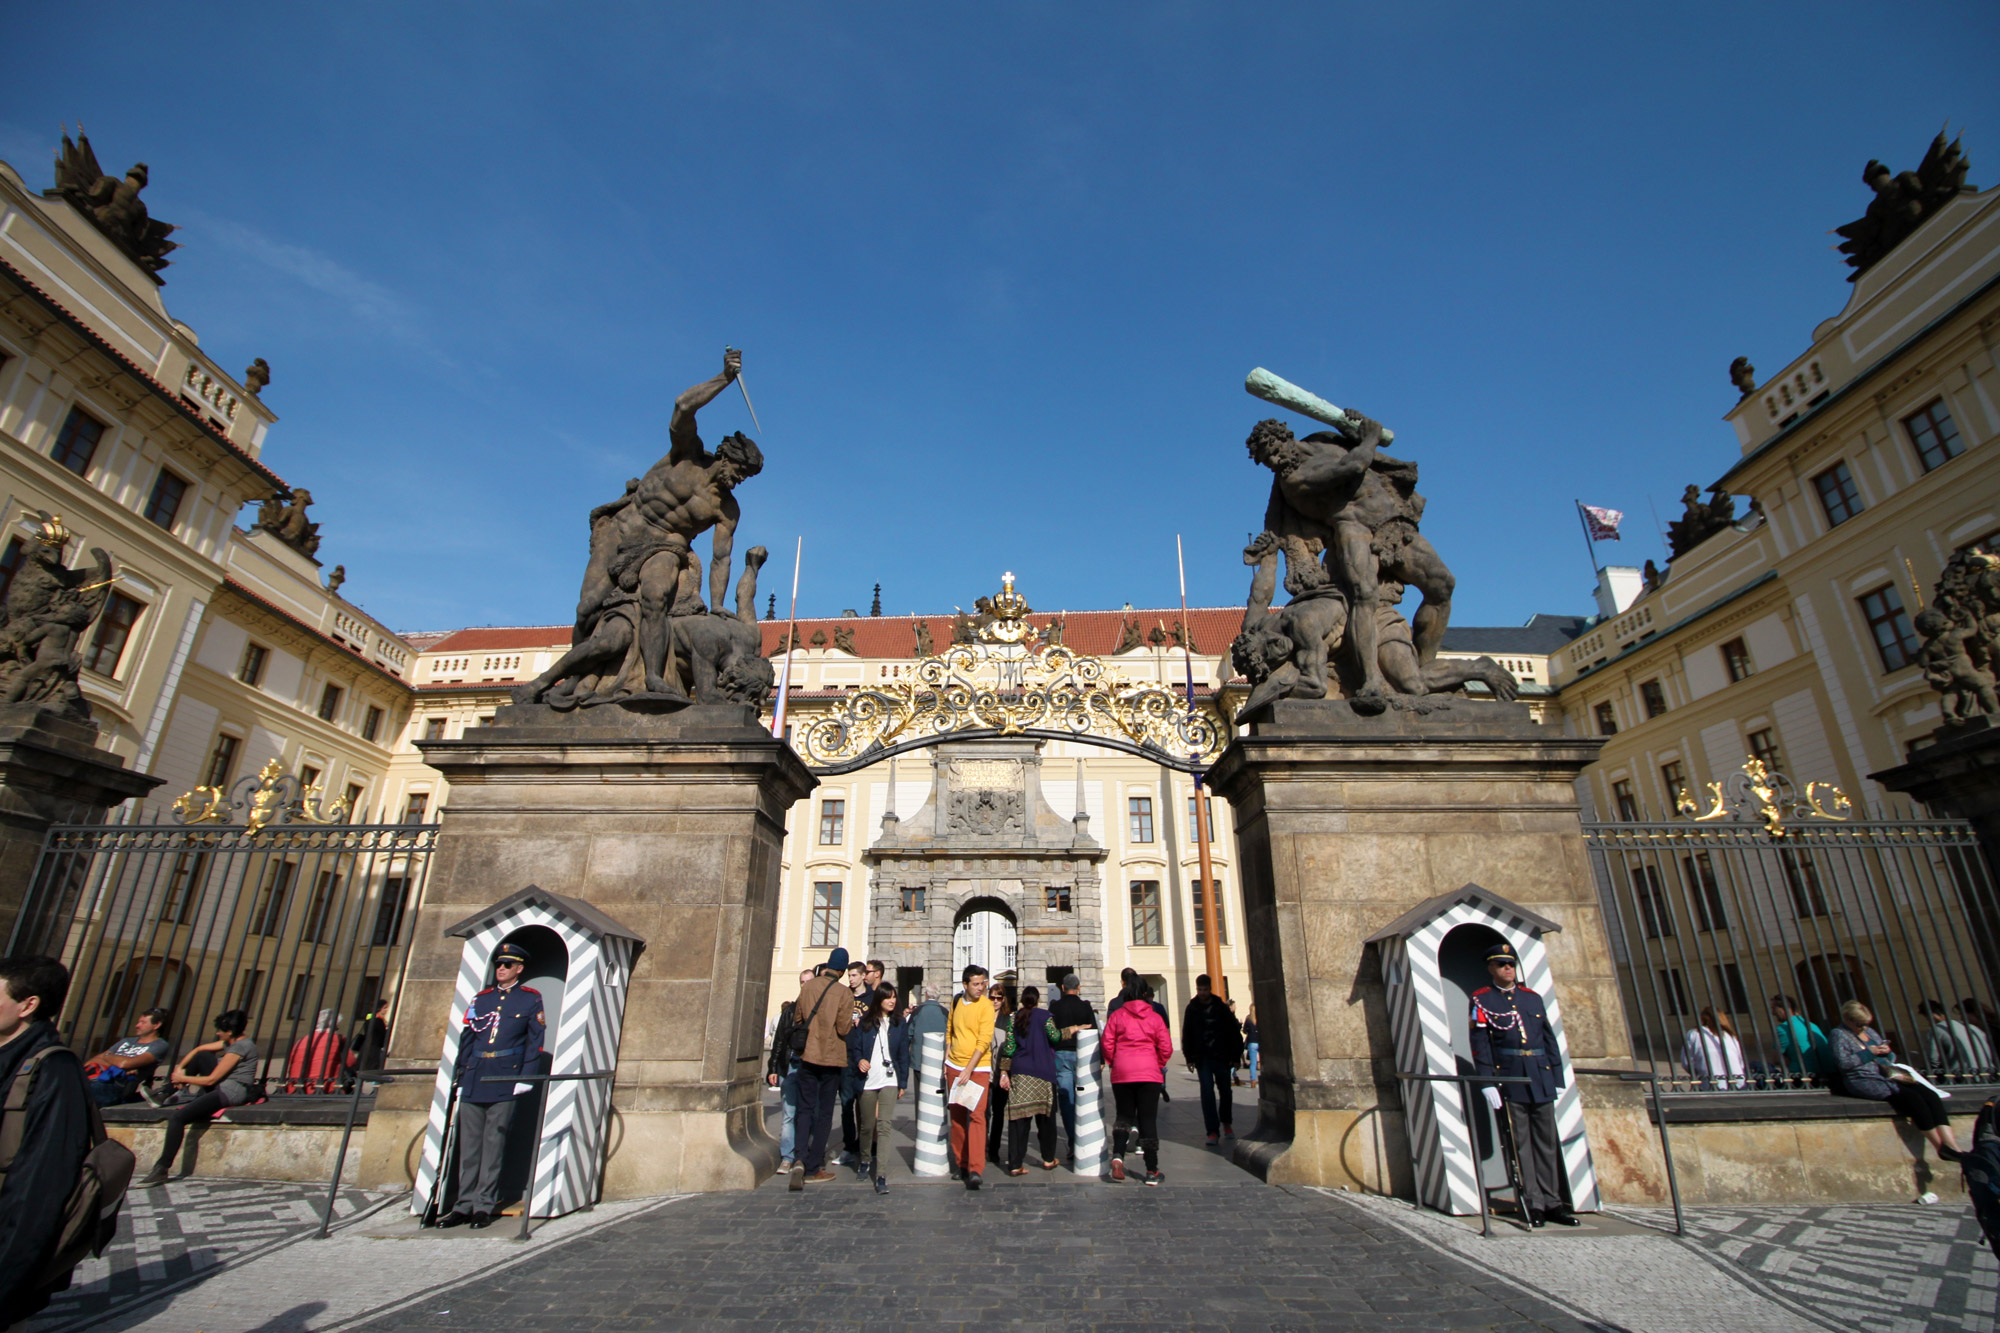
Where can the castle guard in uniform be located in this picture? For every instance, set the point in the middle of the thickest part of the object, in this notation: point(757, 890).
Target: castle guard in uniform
point(501, 1040)
point(1510, 1037)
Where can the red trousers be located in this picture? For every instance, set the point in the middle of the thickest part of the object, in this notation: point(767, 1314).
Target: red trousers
point(968, 1128)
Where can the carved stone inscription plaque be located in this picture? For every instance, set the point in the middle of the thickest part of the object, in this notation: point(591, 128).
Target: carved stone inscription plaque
point(985, 774)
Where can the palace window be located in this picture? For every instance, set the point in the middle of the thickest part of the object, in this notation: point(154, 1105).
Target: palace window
point(222, 760)
point(356, 794)
point(419, 806)
point(1140, 811)
point(1675, 779)
point(329, 702)
point(269, 916)
point(825, 915)
point(1764, 749)
point(1656, 918)
point(301, 987)
point(251, 669)
point(1736, 660)
point(1194, 827)
point(1056, 898)
point(1674, 991)
point(371, 725)
point(1838, 494)
point(389, 912)
point(1607, 719)
point(1808, 899)
point(320, 909)
point(184, 886)
point(1147, 927)
point(1934, 434)
point(76, 444)
point(1627, 803)
point(114, 631)
point(914, 899)
point(1895, 641)
point(832, 823)
point(1703, 890)
point(163, 506)
point(433, 728)
point(308, 777)
point(1201, 925)
point(1654, 697)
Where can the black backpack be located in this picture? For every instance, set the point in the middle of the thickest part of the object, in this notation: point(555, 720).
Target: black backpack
point(90, 1218)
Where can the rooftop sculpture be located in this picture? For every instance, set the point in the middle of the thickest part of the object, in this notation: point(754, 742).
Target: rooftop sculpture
point(1903, 201)
point(1344, 516)
point(113, 204)
point(284, 517)
point(643, 637)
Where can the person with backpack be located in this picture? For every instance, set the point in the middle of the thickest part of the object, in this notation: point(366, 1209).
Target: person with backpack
point(1212, 1043)
point(49, 1131)
point(819, 1039)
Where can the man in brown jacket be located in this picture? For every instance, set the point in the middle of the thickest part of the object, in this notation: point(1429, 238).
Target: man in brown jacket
point(826, 1009)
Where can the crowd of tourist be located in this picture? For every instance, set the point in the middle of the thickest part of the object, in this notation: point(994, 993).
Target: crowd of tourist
point(1008, 1072)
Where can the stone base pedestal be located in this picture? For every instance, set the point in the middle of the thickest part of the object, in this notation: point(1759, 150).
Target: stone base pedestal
point(671, 824)
point(1957, 774)
point(1344, 823)
point(51, 772)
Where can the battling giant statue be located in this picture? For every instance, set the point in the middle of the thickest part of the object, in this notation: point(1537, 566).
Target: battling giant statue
point(643, 637)
point(1344, 516)
point(48, 609)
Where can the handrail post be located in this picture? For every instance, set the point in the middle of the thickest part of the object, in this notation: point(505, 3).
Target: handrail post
point(340, 1158)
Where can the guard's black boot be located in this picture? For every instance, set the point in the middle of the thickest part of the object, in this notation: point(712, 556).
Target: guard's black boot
point(1536, 1220)
point(456, 1220)
point(481, 1221)
point(1563, 1217)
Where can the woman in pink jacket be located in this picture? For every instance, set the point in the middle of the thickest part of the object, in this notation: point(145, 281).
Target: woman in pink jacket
point(1136, 1047)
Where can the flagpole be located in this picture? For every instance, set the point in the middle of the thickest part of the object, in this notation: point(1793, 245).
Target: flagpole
point(1210, 909)
point(791, 634)
point(1588, 544)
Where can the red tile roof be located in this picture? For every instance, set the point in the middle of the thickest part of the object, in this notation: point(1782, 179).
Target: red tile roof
point(501, 638)
point(1094, 633)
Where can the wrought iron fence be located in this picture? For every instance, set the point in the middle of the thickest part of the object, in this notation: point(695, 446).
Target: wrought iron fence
point(302, 922)
point(1737, 937)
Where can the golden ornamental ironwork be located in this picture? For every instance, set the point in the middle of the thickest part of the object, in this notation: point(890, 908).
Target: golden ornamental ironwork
point(271, 796)
point(1010, 682)
point(1757, 792)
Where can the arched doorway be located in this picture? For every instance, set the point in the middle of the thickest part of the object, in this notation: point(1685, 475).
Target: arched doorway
point(985, 932)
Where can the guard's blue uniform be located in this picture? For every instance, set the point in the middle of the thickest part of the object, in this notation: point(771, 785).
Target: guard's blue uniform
point(501, 1040)
point(1510, 1035)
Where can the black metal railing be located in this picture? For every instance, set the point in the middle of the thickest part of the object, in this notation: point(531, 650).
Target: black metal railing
point(305, 927)
point(1716, 925)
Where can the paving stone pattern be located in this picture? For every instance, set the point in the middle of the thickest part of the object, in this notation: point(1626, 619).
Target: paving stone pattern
point(1889, 1267)
point(189, 1229)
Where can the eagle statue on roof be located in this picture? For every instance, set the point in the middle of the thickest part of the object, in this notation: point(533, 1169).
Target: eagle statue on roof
point(1903, 201)
point(113, 204)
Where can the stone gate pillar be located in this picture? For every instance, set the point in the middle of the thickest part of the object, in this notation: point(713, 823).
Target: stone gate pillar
point(1345, 822)
point(672, 824)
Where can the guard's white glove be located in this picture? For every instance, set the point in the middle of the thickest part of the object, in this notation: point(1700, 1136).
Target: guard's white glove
point(1493, 1098)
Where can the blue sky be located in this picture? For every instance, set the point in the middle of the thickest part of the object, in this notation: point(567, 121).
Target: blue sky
point(998, 273)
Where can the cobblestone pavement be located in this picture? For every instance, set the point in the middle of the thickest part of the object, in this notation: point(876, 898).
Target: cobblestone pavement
point(1890, 1267)
point(1212, 1248)
point(169, 1237)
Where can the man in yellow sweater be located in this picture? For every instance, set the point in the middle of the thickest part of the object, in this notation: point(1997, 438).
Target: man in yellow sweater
point(968, 1060)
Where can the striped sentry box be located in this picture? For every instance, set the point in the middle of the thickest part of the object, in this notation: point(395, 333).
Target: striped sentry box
point(582, 1038)
point(1089, 1142)
point(1424, 1029)
point(933, 1153)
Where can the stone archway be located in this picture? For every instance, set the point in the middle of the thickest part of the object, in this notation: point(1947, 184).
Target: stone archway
point(985, 932)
